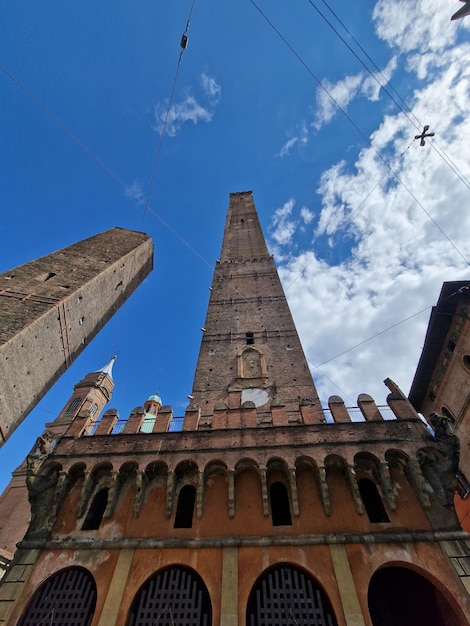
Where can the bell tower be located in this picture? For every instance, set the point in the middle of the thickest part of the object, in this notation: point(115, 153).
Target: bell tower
point(250, 350)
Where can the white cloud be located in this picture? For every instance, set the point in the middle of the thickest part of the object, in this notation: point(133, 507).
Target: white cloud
point(283, 226)
point(307, 215)
point(396, 257)
point(374, 83)
point(300, 138)
point(332, 95)
point(135, 192)
point(211, 87)
point(189, 109)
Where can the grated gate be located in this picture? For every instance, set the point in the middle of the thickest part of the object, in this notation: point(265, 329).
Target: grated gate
point(286, 596)
point(66, 599)
point(174, 597)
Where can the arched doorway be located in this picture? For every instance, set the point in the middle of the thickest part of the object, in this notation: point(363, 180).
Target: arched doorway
point(399, 596)
point(174, 596)
point(286, 595)
point(67, 598)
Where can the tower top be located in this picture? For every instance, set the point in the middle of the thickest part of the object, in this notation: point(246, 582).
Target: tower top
point(250, 352)
point(108, 369)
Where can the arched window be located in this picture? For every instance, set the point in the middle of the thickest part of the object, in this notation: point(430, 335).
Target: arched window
point(446, 413)
point(73, 405)
point(372, 501)
point(66, 598)
point(280, 509)
point(96, 511)
point(401, 597)
point(174, 596)
point(286, 595)
point(185, 507)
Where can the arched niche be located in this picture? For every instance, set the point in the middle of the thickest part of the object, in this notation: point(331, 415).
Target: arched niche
point(286, 594)
point(174, 595)
point(66, 597)
point(400, 596)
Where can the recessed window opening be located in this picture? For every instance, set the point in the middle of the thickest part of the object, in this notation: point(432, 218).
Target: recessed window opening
point(451, 346)
point(372, 501)
point(250, 339)
point(96, 511)
point(185, 507)
point(463, 486)
point(280, 509)
point(94, 409)
point(446, 413)
point(73, 405)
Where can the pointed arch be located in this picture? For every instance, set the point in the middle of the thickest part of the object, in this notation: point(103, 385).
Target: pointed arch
point(175, 595)
point(286, 594)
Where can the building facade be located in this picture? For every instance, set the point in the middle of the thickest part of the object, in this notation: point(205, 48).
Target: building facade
point(442, 379)
point(52, 307)
point(264, 509)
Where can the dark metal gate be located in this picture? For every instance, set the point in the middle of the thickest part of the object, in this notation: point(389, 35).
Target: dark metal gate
point(287, 596)
point(175, 596)
point(67, 598)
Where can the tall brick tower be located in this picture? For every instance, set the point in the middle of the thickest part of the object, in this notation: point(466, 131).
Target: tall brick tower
point(260, 511)
point(250, 351)
point(52, 307)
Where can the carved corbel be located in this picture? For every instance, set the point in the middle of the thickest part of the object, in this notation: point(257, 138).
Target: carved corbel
point(113, 494)
point(140, 487)
point(293, 490)
point(418, 482)
point(231, 493)
point(352, 482)
point(87, 488)
point(387, 487)
point(264, 491)
point(200, 495)
point(324, 491)
point(170, 487)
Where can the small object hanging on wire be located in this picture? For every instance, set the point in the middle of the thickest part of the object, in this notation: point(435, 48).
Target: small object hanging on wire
point(423, 135)
point(184, 41)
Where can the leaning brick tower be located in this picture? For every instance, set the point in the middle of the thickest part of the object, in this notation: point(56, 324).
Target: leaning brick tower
point(52, 307)
point(255, 508)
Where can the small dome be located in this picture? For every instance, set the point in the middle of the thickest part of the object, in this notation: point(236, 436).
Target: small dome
point(155, 398)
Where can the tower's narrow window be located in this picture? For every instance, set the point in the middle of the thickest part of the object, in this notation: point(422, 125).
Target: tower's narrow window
point(96, 511)
point(185, 507)
point(372, 501)
point(280, 509)
point(250, 339)
point(73, 405)
point(93, 409)
point(446, 413)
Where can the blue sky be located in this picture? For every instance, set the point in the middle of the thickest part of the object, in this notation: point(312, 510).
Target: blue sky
point(355, 244)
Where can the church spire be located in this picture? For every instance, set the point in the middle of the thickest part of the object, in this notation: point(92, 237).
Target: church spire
point(250, 350)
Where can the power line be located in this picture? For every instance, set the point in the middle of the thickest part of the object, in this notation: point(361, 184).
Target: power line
point(356, 127)
point(408, 112)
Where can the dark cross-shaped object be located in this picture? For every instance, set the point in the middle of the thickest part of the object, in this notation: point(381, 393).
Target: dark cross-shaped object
point(423, 135)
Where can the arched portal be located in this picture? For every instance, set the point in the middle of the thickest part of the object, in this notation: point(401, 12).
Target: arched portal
point(68, 598)
point(174, 596)
point(285, 595)
point(399, 596)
